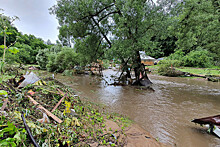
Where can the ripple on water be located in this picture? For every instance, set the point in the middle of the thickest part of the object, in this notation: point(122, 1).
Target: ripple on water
point(165, 113)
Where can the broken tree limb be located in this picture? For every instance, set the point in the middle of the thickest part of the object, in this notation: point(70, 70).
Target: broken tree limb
point(45, 110)
point(58, 103)
point(29, 131)
point(61, 92)
point(4, 104)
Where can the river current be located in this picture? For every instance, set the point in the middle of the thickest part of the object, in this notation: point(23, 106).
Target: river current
point(166, 111)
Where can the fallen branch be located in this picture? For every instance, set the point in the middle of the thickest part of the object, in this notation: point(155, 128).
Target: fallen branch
point(29, 132)
point(58, 103)
point(4, 104)
point(45, 110)
point(61, 92)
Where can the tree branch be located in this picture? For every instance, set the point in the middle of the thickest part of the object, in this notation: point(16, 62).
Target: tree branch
point(97, 13)
point(107, 15)
point(103, 34)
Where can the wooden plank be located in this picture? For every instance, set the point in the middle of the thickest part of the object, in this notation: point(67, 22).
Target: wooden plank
point(45, 110)
point(4, 104)
point(58, 103)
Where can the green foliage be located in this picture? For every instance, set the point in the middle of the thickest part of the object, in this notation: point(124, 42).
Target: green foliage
point(13, 50)
point(7, 27)
point(51, 62)
point(198, 58)
point(24, 48)
point(3, 92)
point(167, 70)
point(201, 71)
point(66, 59)
point(57, 58)
point(195, 58)
point(114, 29)
point(11, 135)
point(199, 28)
point(42, 58)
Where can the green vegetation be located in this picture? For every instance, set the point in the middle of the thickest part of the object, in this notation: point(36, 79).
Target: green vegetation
point(80, 128)
point(16, 47)
point(187, 33)
point(201, 71)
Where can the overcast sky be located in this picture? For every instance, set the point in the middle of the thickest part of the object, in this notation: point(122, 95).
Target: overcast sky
point(34, 17)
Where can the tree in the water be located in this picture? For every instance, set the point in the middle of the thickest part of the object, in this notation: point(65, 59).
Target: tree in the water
point(120, 28)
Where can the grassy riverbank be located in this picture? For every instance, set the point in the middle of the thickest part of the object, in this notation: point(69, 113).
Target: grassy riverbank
point(201, 71)
point(77, 122)
point(215, 71)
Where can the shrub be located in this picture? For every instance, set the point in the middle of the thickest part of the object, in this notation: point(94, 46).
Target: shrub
point(51, 65)
point(64, 60)
point(42, 58)
point(198, 58)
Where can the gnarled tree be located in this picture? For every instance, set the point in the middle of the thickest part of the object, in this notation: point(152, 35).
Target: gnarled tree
point(120, 28)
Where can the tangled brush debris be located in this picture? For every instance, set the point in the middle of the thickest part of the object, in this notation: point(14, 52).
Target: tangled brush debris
point(47, 113)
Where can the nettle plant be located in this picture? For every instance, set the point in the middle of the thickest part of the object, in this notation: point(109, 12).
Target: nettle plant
point(3, 22)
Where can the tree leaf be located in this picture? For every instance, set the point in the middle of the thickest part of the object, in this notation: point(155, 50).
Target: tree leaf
point(8, 33)
point(13, 50)
point(3, 92)
point(3, 46)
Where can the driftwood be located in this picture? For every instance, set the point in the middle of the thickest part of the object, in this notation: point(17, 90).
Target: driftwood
point(58, 103)
point(29, 131)
point(45, 110)
point(4, 104)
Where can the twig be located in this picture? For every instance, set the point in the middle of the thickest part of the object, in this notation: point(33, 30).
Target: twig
point(4, 105)
point(28, 131)
point(58, 103)
point(61, 92)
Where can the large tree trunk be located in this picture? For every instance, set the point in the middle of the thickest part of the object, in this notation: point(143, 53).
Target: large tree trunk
point(141, 78)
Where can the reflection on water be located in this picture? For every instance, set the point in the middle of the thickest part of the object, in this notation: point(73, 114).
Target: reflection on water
point(166, 113)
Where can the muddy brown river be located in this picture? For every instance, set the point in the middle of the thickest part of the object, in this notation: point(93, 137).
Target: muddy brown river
point(165, 112)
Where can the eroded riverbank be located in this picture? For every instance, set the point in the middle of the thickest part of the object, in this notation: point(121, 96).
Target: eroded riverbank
point(165, 112)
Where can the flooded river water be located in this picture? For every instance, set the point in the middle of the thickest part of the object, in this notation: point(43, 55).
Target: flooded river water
point(165, 112)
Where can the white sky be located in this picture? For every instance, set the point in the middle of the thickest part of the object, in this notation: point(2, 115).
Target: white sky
point(34, 17)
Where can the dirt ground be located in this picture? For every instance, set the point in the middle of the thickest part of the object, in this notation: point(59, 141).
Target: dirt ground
point(134, 136)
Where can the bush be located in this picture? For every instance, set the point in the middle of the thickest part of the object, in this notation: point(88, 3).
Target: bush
point(64, 60)
point(51, 65)
point(42, 58)
point(198, 58)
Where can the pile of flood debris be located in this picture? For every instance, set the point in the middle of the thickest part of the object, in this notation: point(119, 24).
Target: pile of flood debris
point(44, 112)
